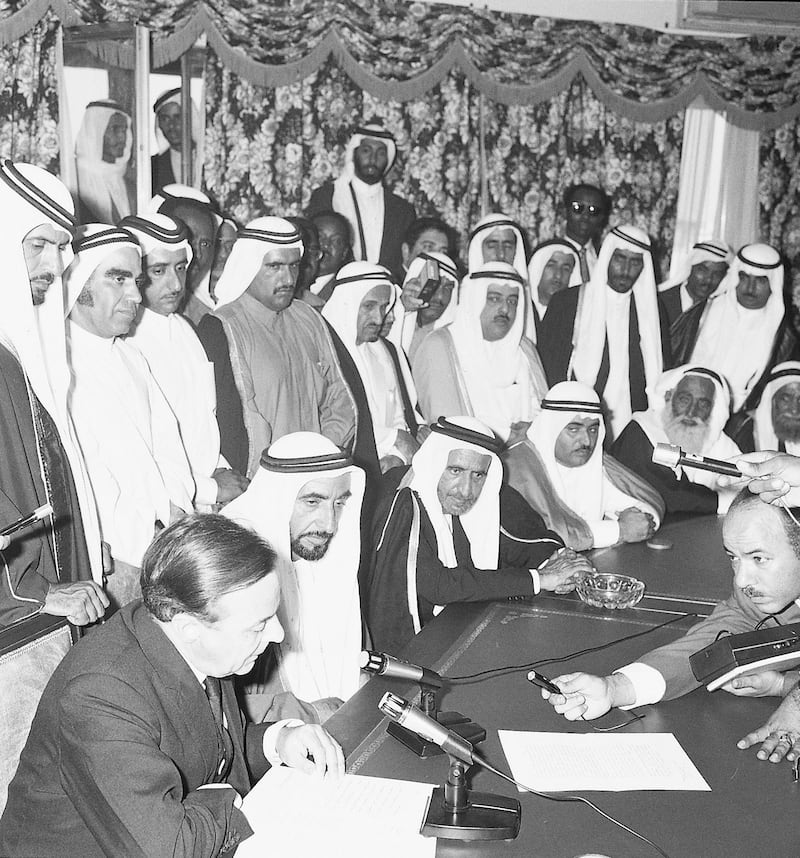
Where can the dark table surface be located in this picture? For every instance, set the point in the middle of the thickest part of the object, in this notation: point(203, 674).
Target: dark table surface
point(692, 575)
point(752, 809)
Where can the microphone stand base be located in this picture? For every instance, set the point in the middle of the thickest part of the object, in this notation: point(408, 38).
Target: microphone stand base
point(487, 817)
point(465, 728)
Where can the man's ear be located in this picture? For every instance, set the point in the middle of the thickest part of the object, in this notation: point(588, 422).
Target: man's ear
point(668, 396)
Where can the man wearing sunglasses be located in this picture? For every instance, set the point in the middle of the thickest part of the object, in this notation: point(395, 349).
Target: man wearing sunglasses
point(587, 208)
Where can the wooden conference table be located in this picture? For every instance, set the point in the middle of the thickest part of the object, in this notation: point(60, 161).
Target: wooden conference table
point(752, 808)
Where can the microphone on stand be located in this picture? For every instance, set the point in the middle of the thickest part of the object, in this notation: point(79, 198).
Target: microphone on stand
point(394, 668)
point(672, 456)
point(455, 811)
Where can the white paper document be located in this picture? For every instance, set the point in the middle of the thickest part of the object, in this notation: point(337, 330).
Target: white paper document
point(564, 762)
point(296, 816)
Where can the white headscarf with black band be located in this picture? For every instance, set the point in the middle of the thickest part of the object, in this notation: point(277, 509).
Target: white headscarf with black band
point(360, 203)
point(320, 608)
point(764, 435)
point(497, 375)
point(717, 444)
point(538, 262)
point(479, 234)
point(102, 182)
point(31, 197)
point(174, 96)
point(253, 243)
point(710, 250)
point(353, 282)
point(603, 314)
point(447, 271)
point(733, 340)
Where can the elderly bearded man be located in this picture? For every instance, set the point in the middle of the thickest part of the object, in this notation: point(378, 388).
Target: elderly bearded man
point(582, 493)
point(764, 546)
point(775, 425)
point(445, 531)
point(482, 364)
point(128, 433)
point(138, 747)
point(176, 357)
point(51, 569)
point(378, 217)
point(305, 500)
point(275, 365)
point(689, 408)
point(609, 333)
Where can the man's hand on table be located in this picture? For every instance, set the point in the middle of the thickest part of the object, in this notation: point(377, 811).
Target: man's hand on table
point(296, 744)
point(635, 525)
point(586, 697)
point(562, 571)
point(767, 683)
point(780, 736)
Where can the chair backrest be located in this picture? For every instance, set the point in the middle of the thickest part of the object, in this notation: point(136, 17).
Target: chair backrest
point(29, 653)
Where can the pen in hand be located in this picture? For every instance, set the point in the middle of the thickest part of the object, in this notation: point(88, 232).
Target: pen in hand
point(543, 682)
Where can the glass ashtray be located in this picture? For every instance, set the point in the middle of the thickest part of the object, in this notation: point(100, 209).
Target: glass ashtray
point(607, 590)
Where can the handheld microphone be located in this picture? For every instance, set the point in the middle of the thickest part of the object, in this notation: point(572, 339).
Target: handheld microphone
point(27, 520)
point(386, 665)
point(410, 717)
point(670, 455)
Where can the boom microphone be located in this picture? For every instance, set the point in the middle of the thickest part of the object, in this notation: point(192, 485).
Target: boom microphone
point(410, 717)
point(386, 665)
point(671, 456)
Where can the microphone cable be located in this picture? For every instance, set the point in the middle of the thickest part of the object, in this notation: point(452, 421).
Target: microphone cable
point(492, 672)
point(571, 798)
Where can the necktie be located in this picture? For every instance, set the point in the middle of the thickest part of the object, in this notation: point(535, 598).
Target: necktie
point(224, 742)
point(584, 265)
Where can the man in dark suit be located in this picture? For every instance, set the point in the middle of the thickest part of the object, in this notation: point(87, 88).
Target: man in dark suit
point(763, 544)
point(378, 217)
point(135, 724)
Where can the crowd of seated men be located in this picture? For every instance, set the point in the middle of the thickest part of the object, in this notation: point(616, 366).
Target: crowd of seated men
point(271, 444)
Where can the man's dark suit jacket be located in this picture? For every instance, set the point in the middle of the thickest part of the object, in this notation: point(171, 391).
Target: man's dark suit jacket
point(398, 216)
point(123, 737)
point(161, 171)
point(671, 303)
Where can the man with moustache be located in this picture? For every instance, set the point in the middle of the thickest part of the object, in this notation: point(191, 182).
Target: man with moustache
point(194, 209)
point(305, 500)
point(775, 424)
point(587, 208)
point(689, 406)
point(176, 357)
point(482, 365)
point(130, 439)
point(138, 747)
point(446, 530)
point(583, 494)
point(378, 218)
point(275, 366)
point(552, 267)
point(56, 568)
point(697, 280)
point(609, 333)
point(763, 543)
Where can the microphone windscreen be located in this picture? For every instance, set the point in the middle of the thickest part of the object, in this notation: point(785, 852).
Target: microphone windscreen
point(667, 455)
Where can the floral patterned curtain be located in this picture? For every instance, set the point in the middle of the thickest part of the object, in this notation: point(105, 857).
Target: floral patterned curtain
point(535, 152)
point(267, 149)
point(779, 199)
point(29, 97)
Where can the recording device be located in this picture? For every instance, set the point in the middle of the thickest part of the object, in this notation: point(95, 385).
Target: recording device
point(386, 665)
point(671, 456)
point(454, 811)
point(747, 653)
point(543, 682)
point(27, 520)
point(431, 279)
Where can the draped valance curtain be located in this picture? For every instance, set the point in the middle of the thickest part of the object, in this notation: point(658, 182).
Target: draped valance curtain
point(554, 100)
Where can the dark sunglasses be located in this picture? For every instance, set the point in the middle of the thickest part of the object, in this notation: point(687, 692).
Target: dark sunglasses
point(580, 208)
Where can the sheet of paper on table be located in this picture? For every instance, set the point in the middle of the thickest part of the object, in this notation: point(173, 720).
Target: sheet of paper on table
point(562, 762)
point(295, 816)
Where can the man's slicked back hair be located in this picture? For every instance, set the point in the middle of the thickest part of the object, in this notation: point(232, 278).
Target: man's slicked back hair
point(198, 559)
point(746, 499)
